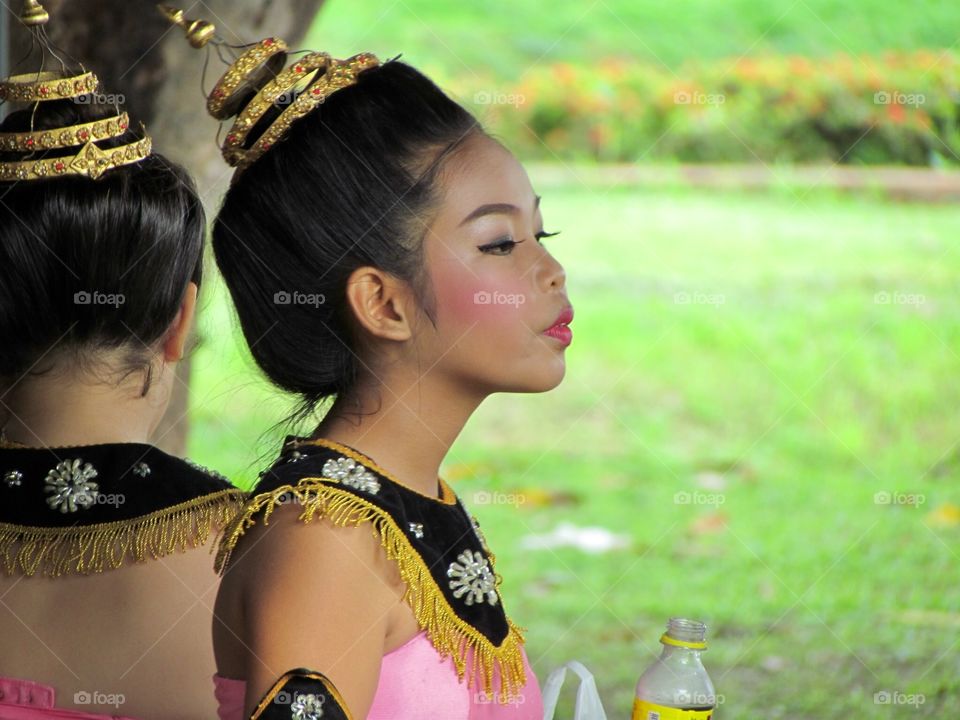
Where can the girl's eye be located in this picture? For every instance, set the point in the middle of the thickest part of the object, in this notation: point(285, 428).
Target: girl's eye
point(507, 244)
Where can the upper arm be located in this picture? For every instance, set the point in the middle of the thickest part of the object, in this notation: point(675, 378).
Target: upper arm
point(314, 596)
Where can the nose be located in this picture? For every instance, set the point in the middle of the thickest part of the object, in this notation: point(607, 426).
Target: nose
point(551, 272)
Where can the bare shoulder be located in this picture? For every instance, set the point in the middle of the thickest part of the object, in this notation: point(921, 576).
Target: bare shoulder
point(312, 595)
point(286, 546)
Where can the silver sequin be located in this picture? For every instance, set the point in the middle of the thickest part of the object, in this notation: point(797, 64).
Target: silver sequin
point(12, 477)
point(71, 487)
point(295, 456)
point(307, 706)
point(472, 578)
point(351, 473)
point(416, 529)
point(141, 469)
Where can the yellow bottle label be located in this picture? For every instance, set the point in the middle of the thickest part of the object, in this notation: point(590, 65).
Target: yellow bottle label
point(643, 710)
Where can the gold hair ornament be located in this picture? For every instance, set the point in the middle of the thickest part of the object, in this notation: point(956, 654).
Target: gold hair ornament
point(306, 84)
point(89, 160)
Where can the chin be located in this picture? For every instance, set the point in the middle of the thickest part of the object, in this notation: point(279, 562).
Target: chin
point(542, 379)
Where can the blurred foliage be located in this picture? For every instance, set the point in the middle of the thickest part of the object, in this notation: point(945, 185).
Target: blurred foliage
point(699, 81)
point(896, 108)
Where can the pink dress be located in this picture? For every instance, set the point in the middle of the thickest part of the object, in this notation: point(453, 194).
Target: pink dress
point(415, 683)
point(28, 700)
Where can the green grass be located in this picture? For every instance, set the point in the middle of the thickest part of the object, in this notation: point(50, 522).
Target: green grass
point(504, 38)
point(804, 394)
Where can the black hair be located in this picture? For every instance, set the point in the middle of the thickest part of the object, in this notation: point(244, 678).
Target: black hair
point(352, 184)
point(87, 265)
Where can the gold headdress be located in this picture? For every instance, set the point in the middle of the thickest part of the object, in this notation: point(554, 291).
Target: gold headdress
point(256, 82)
point(35, 162)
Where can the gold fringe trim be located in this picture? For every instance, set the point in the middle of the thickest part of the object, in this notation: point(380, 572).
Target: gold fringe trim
point(93, 548)
point(449, 633)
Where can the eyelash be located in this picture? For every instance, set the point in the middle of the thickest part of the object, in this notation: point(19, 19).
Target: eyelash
point(509, 243)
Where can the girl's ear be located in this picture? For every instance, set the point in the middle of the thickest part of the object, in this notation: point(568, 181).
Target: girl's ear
point(176, 336)
point(381, 303)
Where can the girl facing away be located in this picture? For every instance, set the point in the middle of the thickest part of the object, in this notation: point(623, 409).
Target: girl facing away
point(107, 577)
point(383, 252)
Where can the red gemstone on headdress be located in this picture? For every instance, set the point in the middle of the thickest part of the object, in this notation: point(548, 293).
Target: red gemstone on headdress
point(123, 124)
point(298, 68)
point(29, 142)
point(268, 42)
point(317, 91)
point(265, 145)
point(83, 134)
point(44, 90)
point(231, 138)
point(59, 166)
point(218, 92)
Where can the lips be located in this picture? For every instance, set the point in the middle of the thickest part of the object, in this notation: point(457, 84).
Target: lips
point(564, 318)
point(560, 329)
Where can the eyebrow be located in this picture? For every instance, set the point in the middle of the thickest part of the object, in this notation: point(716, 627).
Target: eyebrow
point(496, 208)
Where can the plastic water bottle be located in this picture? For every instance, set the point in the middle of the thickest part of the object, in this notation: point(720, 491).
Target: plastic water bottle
point(676, 686)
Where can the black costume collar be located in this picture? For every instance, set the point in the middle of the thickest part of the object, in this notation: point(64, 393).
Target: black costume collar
point(441, 554)
point(84, 508)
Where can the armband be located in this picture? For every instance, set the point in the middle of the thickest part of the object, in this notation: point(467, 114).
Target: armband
point(302, 694)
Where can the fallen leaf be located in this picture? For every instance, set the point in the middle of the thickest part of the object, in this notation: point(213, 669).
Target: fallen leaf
point(541, 497)
point(945, 515)
point(709, 523)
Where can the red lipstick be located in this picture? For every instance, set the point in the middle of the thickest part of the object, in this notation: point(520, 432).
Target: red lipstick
point(560, 329)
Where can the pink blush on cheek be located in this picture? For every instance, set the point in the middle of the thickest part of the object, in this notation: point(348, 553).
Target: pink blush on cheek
point(469, 299)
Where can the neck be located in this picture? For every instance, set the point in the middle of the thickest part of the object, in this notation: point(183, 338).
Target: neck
point(407, 428)
point(67, 411)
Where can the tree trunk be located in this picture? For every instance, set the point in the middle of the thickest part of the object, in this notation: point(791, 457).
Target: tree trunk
point(137, 53)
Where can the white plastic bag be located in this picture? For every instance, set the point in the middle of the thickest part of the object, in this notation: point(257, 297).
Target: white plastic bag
point(588, 705)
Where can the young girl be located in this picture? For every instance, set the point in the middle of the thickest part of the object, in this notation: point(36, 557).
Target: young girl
point(106, 585)
point(384, 251)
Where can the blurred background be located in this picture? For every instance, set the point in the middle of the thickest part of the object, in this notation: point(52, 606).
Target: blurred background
point(758, 427)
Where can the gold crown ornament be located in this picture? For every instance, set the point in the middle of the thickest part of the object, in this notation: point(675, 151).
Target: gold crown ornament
point(88, 160)
point(256, 81)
